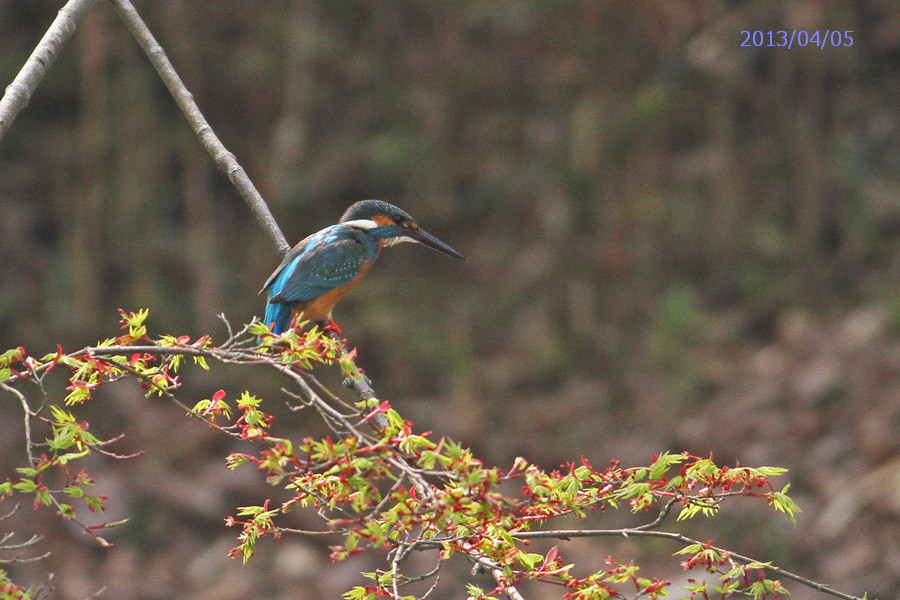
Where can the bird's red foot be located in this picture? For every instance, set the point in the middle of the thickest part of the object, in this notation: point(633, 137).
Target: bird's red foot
point(332, 327)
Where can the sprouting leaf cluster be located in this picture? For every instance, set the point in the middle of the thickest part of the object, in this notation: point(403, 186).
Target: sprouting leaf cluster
point(376, 485)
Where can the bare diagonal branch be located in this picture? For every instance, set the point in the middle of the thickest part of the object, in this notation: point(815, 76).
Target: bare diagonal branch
point(19, 92)
point(224, 159)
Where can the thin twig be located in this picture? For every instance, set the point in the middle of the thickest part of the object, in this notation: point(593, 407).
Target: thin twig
point(26, 419)
point(482, 562)
point(663, 513)
point(5, 546)
point(174, 399)
point(96, 594)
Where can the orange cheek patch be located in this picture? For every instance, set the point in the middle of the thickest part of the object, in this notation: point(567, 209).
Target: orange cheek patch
point(382, 220)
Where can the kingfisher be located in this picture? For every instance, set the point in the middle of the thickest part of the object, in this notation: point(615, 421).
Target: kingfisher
point(320, 270)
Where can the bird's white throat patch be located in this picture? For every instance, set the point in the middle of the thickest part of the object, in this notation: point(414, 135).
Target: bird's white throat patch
point(361, 223)
point(397, 240)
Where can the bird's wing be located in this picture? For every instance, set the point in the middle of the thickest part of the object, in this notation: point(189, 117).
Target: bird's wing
point(321, 266)
point(290, 257)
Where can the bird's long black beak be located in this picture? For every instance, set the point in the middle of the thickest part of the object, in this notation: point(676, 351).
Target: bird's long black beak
point(425, 238)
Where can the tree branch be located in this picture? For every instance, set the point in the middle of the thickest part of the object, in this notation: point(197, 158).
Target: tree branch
point(19, 92)
point(391, 451)
point(564, 534)
point(224, 159)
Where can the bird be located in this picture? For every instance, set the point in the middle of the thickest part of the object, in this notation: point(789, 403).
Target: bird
point(316, 273)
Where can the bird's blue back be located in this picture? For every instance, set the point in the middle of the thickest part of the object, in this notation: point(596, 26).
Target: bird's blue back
point(328, 259)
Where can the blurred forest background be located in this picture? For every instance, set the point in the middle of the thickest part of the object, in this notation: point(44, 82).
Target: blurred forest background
point(674, 242)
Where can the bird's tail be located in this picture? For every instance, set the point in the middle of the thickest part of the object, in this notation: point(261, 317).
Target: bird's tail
point(278, 316)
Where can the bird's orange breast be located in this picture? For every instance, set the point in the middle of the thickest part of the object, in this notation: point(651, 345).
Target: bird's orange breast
point(319, 309)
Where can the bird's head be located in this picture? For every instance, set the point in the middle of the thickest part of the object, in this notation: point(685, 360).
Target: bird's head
point(393, 225)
